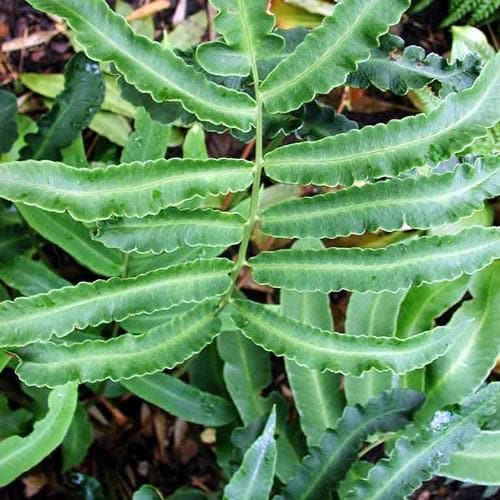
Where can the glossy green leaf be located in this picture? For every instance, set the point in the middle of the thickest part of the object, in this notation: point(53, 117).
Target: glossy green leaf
point(78, 439)
point(327, 464)
point(247, 371)
point(60, 311)
point(13, 242)
point(50, 85)
point(246, 26)
point(318, 396)
point(467, 365)
point(73, 110)
point(29, 276)
point(351, 355)
point(419, 203)
point(419, 455)
point(74, 238)
point(8, 124)
point(330, 52)
point(372, 314)
point(478, 463)
point(172, 229)
point(254, 479)
point(182, 400)
point(421, 306)
point(389, 149)
point(131, 189)
point(395, 267)
point(148, 142)
point(163, 347)
point(19, 454)
point(147, 65)
point(413, 69)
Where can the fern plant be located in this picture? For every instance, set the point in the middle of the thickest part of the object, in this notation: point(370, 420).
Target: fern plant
point(159, 232)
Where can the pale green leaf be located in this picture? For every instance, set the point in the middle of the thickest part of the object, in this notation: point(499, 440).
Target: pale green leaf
point(107, 37)
point(113, 127)
point(29, 276)
point(182, 400)
point(131, 189)
point(351, 355)
point(478, 463)
point(172, 229)
point(148, 142)
point(372, 314)
point(467, 365)
point(419, 203)
point(327, 464)
point(163, 347)
point(247, 371)
point(50, 85)
point(246, 26)
point(60, 311)
point(389, 149)
point(254, 479)
point(417, 456)
point(330, 52)
point(19, 454)
point(317, 396)
point(74, 238)
point(395, 267)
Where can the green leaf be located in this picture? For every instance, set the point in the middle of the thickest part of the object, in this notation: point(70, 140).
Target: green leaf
point(13, 241)
point(163, 347)
point(419, 203)
point(327, 464)
point(417, 456)
point(372, 314)
point(247, 371)
point(77, 440)
point(75, 154)
point(421, 306)
point(246, 26)
point(318, 396)
point(8, 124)
point(60, 311)
point(148, 142)
point(50, 85)
point(254, 479)
point(113, 127)
point(25, 125)
point(351, 355)
point(467, 39)
point(466, 366)
point(205, 371)
point(19, 454)
point(29, 277)
point(107, 37)
point(74, 238)
point(330, 52)
point(395, 267)
point(13, 421)
point(194, 146)
point(131, 189)
point(389, 149)
point(147, 492)
point(413, 69)
point(172, 229)
point(478, 463)
point(182, 400)
point(73, 110)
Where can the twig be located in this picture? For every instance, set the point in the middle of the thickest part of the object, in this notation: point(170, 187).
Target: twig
point(149, 9)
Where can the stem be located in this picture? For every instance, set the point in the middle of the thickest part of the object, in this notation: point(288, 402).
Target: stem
point(257, 178)
point(254, 197)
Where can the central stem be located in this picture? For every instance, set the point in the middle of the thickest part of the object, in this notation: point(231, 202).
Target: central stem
point(254, 197)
